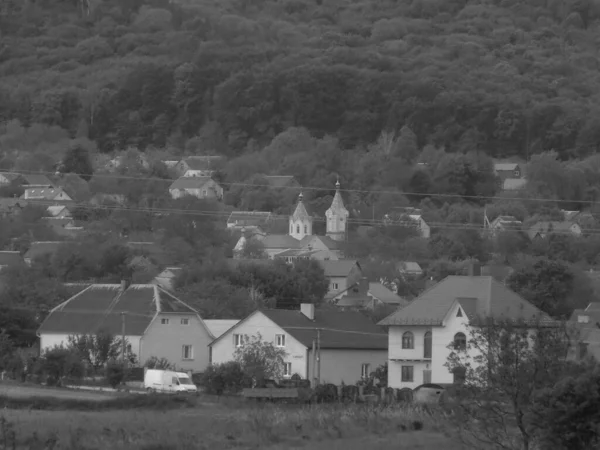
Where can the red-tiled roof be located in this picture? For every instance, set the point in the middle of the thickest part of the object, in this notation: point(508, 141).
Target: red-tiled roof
point(479, 296)
point(99, 307)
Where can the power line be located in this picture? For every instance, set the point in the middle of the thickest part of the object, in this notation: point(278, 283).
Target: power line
point(316, 188)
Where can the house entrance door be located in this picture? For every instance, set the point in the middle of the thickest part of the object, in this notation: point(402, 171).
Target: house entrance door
point(426, 376)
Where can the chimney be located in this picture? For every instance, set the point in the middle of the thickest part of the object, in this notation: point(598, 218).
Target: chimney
point(124, 285)
point(308, 309)
point(474, 269)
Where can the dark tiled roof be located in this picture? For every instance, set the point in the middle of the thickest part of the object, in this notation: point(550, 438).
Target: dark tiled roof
point(353, 330)
point(37, 180)
point(295, 253)
point(282, 241)
point(328, 242)
point(339, 268)
point(39, 248)
point(10, 258)
point(99, 307)
point(479, 296)
point(249, 218)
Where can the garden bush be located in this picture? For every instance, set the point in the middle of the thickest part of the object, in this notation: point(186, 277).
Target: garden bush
point(225, 378)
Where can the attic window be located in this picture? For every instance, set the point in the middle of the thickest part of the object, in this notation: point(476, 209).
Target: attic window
point(583, 319)
point(459, 313)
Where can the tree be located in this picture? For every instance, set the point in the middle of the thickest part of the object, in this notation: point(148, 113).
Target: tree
point(545, 283)
point(504, 364)
point(115, 373)
point(96, 349)
point(77, 160)
point(253, 249)
point(567, 415)
point(259, 359)
point(155, 362)
point(59, 362)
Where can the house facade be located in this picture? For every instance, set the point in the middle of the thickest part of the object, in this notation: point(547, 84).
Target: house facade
point(541, 230)
point(156, 323)
point(507, 170)
point(59, 211)
point(199, 187)
point(424, 333)
point(341, 274)
point(351, 345)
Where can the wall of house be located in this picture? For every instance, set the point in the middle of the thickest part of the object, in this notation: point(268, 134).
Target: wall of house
point(223, 350)
point(167, 341)
point(49, 340)
point(441, 338)
point(344, 366)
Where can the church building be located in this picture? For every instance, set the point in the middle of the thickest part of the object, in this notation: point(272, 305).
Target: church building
point(301, 243)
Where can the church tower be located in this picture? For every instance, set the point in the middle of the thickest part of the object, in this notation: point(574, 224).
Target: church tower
point(337, 216)
point(300, 222)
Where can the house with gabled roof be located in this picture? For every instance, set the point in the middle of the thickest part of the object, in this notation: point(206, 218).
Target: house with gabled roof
point(166, 277)
point(199, 187)
point(59, 211)
point(424, 333)
point(248, 220)
point(156, 323)
point(352, 346)
point(10, 259)
point(364, 295)
point(542, 229)
point(507, 170)
point(341, 274)
point(46, 194)
point(586, 326)
point(37, 249)
point(36, 180)
point(198, 166)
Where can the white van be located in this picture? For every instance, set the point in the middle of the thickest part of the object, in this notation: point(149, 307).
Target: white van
point(168, 381)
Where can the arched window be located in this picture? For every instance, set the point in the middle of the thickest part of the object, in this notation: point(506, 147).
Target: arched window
point(305, 229)
point(408, 340)
point(460, 341)
point(427, 345)
point(297, 229)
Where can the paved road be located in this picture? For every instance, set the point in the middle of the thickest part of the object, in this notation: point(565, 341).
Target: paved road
point(32, 391)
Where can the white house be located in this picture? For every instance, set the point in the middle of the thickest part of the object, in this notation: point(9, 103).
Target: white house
point(421, 333)
point(200, 187)
point(351, 345)
point(48, 193)
point(156, 323)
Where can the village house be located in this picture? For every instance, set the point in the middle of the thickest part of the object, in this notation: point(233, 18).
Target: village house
point(351, 346)
point(301, 238)
point(218, 327)
point(200, 187)
point(156, 323)
point(10, 259)
point(543, 229)
point(64, 227)
point(507, 170)
point(37, 249)
point(585, 325)
point(410, 218)
point(248, 221)
point(501, 224)
point(514, 184)
point(48, 194)
point(198, 166)
point(36, 180)
point(423, 333)
point(11, 206)
point(59, 211)
point(166, 277)
point(341, 274)
point(409, 268)
point(368, 295)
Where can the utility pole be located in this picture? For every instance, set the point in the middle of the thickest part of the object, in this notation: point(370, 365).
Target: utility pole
point(314, 364)
point(123, 337)
point(318, 356)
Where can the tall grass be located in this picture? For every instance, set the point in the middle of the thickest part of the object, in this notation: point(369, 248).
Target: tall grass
point(216, 427)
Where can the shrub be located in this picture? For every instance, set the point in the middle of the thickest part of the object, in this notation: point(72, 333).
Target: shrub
point(155, 362)
point(225, 378)
point(115, 373)
point(58, 363)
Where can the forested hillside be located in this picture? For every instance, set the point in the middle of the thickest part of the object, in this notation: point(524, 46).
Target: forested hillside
point(505, 77)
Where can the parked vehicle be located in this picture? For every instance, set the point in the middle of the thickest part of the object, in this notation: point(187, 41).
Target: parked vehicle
point(168, 381)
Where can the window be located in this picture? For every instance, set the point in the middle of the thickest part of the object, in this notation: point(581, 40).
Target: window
point(460, 341)
point(305, 229)
point(280, 339)
point(187, 352)
point(427, 345)
point(204, 193)
point(287, 369)
point(407, 373)
point(408, 340)
point(238, 340)
point(365, 370)
point(459, 313)
point(583, 319)
point(517, 173)
point(335, 286)
point(185, 321)
point(297, 229)
point(164, 321)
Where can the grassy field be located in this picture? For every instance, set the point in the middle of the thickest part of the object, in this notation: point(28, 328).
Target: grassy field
point(215, 425)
